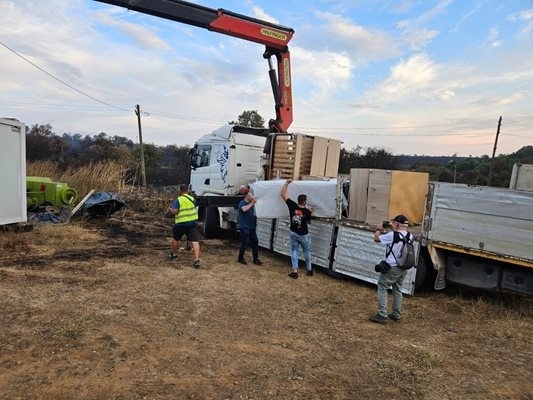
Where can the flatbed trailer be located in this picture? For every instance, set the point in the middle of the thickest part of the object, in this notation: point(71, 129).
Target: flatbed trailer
point(475, 236)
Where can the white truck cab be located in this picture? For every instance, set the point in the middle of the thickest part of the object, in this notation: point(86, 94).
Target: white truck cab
point(221, 162)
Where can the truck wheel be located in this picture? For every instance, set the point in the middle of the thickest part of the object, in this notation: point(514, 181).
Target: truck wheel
point(425, 273)
point(210, 228)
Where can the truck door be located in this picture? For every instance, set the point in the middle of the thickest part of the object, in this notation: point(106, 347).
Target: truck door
point(209, 164)
point(219, 168)
point(200, 160)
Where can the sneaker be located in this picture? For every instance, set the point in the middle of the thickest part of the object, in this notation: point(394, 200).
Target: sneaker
point(378, 319)
point(293, 275)
point(172, 256)
point(242, 261)
point(196, 264)
point(310, 273)
point(258, 262)
point(394, 317)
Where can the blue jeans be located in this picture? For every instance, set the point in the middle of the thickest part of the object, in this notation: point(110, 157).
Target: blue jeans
point(393, 278)
point(249, 236)
point(305, 242)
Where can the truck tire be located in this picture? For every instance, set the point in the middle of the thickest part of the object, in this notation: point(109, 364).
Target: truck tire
point(425, 273)
point(211, 222)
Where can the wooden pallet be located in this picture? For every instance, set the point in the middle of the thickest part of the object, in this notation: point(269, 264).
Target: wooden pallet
point(295, 156)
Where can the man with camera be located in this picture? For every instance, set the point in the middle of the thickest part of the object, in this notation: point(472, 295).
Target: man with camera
point(390, 274)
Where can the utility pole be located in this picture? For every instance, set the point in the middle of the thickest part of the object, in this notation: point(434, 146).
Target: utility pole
point(141, 148)
point(494, 151)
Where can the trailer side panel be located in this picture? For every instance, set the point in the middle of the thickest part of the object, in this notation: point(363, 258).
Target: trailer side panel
point(13, 171)
point(494, 221)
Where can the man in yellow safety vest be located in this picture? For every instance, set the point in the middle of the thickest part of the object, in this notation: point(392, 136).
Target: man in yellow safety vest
point(185, 223)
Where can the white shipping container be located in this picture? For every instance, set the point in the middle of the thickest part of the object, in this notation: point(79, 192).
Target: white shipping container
point(12, 171)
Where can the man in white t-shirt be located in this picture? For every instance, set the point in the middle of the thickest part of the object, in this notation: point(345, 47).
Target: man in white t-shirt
point(394, 276)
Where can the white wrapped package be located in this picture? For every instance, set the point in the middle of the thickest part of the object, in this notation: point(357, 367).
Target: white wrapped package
point(320, 197)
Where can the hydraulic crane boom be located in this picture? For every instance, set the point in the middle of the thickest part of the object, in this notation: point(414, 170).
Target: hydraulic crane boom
point(274, 37)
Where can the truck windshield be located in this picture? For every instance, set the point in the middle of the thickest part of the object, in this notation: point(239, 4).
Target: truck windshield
point(201, 156)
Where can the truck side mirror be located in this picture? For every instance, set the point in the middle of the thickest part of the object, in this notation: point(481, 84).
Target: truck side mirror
point(192, 160)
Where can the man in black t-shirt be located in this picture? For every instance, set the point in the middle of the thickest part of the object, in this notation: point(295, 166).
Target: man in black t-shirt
point(300, 217)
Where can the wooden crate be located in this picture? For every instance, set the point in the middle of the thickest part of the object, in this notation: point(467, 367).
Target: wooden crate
point(377, 206)
point(295, 156)
point(358, 194)
point(326, 156)
point(408, 191)
point(377, 195)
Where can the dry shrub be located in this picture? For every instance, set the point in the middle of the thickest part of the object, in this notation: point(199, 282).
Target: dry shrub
point(104, 176)
point(45, 169)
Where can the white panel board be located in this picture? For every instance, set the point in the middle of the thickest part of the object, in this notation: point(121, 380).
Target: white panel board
point(320, 196)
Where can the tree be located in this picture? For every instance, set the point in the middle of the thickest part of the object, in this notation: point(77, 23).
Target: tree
point(42, 144)
point(349, 159)
point(174, 168)
point(249, 118)
point(376, 157)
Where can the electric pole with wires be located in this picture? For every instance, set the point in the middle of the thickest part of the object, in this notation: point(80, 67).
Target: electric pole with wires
point(141, 148)
point(494, 151)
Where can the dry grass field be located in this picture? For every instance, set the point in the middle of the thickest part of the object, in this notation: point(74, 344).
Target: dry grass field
point(94, 310)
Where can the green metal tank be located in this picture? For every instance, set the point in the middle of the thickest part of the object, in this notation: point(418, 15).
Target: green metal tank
point(40, 190)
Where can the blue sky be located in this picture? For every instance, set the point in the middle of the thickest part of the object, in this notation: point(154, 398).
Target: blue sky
point(413, 77)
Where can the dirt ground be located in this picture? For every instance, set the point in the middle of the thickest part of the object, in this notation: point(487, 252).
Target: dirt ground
point(94, 310)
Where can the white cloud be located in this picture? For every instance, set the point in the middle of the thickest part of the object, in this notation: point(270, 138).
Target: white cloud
point(419, 39)
point(261, 14)
point(414, 31)
point(424, 18)
point(362, 44)
point(407, 77)
point(524, 15)
point(146, 38)
point(513, 98)
point(334, 73)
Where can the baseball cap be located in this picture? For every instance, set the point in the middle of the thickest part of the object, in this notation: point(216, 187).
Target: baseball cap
point(401, 219)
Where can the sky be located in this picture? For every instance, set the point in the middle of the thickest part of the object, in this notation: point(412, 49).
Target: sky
point(414, 77)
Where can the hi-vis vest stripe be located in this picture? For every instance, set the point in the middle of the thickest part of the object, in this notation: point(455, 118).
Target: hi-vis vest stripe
point(187, 211)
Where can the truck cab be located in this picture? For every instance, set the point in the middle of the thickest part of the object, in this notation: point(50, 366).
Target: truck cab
point(221, 162)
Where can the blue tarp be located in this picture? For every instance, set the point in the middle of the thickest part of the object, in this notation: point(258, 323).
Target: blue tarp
point(103, 204)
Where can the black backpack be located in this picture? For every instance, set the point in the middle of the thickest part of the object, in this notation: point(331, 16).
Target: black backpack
point(407, 257)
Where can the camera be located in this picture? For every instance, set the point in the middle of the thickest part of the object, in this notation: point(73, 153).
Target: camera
point(385, 224)
point(383, 266)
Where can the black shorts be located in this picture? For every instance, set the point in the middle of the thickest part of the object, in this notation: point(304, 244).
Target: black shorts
point(189, 229)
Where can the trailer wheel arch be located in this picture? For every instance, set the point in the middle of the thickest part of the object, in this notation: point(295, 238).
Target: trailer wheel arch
point(425, 272)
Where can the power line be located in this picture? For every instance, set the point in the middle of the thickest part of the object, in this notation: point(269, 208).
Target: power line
point(61, 81)
point(181, 118)
point(411, 134)
point(377, 128)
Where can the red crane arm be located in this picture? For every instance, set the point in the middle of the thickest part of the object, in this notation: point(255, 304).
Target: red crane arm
point(275, 38)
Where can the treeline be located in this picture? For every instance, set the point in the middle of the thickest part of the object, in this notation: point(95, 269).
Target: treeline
point(467, 170)
point(164, 165)
point(169, 165)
